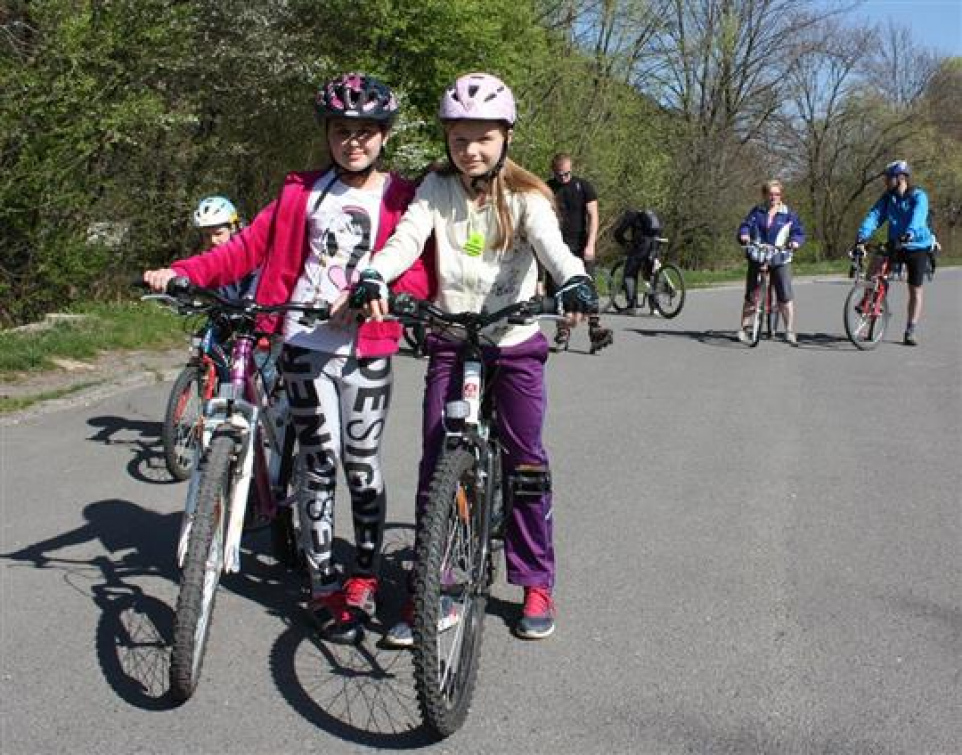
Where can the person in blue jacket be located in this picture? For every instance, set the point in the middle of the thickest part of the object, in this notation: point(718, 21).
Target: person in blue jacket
point(771, 222)
point(906, 210)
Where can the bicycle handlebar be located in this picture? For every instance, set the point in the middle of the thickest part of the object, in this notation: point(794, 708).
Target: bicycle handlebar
point(767, 253)
point(537, 308)
point(876, 247)
point(184, 294)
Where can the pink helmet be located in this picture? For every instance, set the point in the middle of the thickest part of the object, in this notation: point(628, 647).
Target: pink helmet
point(478, 96)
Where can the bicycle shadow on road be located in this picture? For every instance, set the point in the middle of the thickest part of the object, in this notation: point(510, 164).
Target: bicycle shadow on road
point(729, 339)
point(361, 693)
point(135, 629)
point(144, 439)
point(134, 632)
point(725, 339)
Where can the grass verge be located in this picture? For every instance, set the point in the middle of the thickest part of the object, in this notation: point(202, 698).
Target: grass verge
point(120, 326)
point(16, 404)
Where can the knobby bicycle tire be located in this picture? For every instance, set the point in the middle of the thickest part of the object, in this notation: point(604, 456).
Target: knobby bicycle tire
point(865, 329)
point(180, 431)
point(668, 290)
point(203, 563)
point(449, 571)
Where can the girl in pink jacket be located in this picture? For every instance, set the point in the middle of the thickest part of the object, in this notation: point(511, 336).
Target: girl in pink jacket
point(311, 244)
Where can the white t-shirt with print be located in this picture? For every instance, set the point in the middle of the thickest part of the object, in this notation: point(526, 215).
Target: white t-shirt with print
point(342, 225)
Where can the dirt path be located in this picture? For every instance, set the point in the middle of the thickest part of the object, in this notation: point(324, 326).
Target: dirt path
point(77, 382)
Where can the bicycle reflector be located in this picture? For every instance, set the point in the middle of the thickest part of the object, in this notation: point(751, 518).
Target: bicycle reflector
point(457, 409)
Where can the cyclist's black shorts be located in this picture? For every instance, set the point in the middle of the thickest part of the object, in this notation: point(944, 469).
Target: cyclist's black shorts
point(781, 282)
point(916, 263)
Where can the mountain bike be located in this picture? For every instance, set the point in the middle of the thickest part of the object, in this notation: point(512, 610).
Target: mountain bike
point(866, 313)
point(459, 530)
point(765, 314)
point(246, 445)
point(197, 383)
point(664, 289)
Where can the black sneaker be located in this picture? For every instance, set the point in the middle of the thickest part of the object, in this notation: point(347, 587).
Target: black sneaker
point(561, 338)
point(910, 339)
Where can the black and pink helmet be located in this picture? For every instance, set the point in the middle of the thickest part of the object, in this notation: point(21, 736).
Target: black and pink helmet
point(354, 95)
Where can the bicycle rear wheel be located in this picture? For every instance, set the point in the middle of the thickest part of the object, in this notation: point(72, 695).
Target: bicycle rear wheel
point(450, 594)
point(668, 290)
point(203, 564)
point(866, 314)
point(181, 429)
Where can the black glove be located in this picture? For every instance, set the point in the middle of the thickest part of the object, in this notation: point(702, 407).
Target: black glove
point(578, 294)
point(370, 286)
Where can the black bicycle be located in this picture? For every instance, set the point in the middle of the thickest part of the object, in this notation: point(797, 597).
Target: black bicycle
point(664, 287)
point(461, 525)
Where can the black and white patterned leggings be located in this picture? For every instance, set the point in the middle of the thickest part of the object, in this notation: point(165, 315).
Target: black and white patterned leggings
point(339, 407)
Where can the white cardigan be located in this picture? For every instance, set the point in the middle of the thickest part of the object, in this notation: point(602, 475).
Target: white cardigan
point(490, 279)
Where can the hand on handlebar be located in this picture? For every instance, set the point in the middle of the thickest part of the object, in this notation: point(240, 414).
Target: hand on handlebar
point(370, 295)
point(158, 279)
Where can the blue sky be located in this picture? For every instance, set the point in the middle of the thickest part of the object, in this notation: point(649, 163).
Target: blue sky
point(935, 24)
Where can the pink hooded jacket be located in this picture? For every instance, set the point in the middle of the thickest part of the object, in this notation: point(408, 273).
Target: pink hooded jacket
point(276, 241)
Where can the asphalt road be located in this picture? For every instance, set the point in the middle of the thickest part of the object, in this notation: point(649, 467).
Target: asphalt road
point(759, 552)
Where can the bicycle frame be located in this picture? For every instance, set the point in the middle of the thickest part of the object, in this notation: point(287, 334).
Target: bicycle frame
point(467, 423)
point(880, 288)
point(242, 407)
point(239, 406)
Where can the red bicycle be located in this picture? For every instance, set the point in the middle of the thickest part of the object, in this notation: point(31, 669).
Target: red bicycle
point(765, 313)
point(197, 383)
point(866, 313)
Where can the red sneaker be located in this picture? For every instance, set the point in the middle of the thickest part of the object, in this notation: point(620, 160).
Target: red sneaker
point(537, 616)
point(359, 594)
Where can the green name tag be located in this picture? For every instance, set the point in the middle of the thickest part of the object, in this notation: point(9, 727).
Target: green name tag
point(474, 246)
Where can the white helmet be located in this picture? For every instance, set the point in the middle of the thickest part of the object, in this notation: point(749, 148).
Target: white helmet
point(215, 211)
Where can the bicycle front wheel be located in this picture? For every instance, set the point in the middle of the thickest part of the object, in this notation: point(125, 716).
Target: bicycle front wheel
point(180, 433)
point(668, 290)
point(203, 564)
point(866, 314)
point(450, 594)
point(758, 317)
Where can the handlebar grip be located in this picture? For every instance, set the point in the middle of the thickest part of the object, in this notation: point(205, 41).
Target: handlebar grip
point(402, 304)
point(179, 285)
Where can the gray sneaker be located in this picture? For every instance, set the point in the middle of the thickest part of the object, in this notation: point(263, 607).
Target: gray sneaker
point(790, 338)
point(402, 636)
point(399, 636)
point(743, 336)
